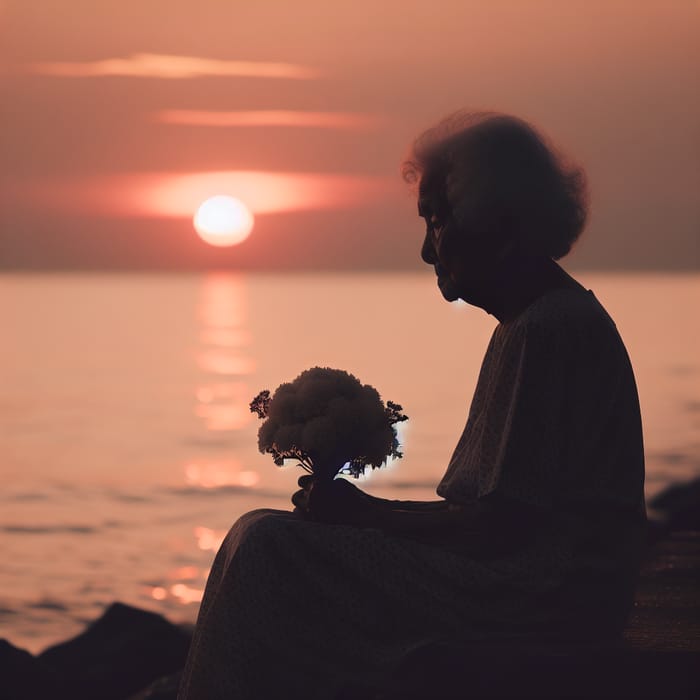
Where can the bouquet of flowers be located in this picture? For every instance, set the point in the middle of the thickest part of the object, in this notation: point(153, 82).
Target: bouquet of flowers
point(328, 421)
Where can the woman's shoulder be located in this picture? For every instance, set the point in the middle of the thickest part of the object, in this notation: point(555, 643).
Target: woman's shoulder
point(570, 312)
point(566, 325)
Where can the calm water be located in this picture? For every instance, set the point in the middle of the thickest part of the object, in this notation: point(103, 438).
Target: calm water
point(128, 448)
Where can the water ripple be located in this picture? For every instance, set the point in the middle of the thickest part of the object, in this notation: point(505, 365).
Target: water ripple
point(48, 529)
point(224, 490)
point(48, 604)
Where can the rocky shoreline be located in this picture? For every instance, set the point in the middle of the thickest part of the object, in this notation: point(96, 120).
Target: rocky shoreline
point(118, 655)
point(132, 654)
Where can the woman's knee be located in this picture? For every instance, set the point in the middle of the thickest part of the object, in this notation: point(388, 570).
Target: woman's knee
point(259, 522)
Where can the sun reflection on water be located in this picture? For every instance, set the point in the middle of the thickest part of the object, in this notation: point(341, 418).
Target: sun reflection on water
point(159, 593)
point(221, 402)
point(225, 362)
point(209, 540)
point(185, 573)
point(222, 397)
point(187, 586)
point(219, 473)
point(225, 337)
point(186, 594)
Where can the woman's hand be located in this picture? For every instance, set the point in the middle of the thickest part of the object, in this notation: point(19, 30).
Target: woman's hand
point(338, 502)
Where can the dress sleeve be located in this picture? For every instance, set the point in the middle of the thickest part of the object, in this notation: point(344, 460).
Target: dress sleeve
point(548, 414)
point(555, 418)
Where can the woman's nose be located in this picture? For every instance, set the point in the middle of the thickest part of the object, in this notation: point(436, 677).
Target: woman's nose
point(428, 250)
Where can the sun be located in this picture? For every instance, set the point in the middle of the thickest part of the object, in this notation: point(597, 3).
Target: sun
point(223, 221)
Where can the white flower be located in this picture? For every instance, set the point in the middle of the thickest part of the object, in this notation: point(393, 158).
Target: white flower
point(326, 418)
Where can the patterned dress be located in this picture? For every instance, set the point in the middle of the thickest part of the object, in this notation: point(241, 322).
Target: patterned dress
point(300, 609)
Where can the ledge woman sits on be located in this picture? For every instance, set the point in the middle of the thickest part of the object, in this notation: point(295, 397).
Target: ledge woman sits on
point(540, 523)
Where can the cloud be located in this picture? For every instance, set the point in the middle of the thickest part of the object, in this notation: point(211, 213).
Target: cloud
point(324, 120)
point(151, 65)
point(177, 195)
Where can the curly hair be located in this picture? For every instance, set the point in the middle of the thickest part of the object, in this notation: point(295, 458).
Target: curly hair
point(497, 177)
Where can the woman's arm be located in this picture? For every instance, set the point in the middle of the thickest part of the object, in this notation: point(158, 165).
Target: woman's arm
point(486, 529)
point(361, 497)
point(441, 524)
point(413, 506)
point(489, 527)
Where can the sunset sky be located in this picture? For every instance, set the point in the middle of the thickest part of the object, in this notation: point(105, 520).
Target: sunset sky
point(119, 117)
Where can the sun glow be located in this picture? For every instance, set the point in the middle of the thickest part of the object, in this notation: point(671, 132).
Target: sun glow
point(178, 195)
point(223, 221)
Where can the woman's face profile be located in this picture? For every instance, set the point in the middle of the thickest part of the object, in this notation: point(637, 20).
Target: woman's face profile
point(464, 262)
point(432, 251)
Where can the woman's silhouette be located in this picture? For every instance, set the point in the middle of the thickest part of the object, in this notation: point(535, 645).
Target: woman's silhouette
point(541, 520)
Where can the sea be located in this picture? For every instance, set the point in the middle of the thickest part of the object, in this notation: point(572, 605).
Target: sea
point(128, 449)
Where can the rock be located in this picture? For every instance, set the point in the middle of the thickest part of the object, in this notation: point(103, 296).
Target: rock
point(680, 506)
point(117, 655)
point(543, 671)
point(22, 677)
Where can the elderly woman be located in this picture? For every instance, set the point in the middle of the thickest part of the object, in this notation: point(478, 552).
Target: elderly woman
point(541, 520)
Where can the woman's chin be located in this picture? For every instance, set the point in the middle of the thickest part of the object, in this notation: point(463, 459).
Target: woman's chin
point(447, 288)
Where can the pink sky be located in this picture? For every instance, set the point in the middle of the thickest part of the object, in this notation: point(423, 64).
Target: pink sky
point(103, 101)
